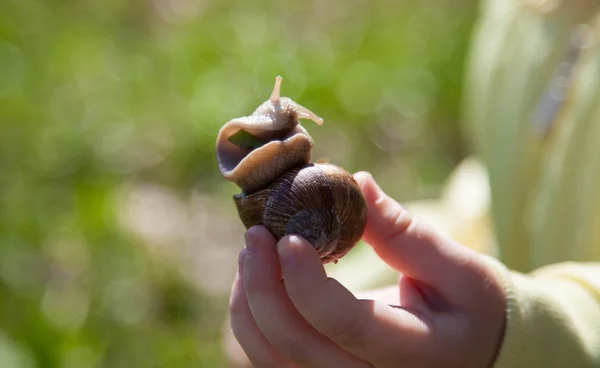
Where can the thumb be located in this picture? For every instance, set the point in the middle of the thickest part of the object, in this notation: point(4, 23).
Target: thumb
point(415, 249)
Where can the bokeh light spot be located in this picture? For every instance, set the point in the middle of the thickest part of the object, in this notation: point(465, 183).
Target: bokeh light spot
point(357, 78)
point(128, 301)
point(19, 265)
point(66, 306)
point(12, 355)
point(153, 213)
point(80, 357)
point(179, 11)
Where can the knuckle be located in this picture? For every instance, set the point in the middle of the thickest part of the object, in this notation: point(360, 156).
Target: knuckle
point(348, 334)
point(293, 347)
point(400, 223)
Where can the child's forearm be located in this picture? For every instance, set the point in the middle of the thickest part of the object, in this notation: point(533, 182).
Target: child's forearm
point(553, 317)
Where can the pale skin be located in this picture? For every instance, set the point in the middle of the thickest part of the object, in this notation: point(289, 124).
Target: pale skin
point(447, 310)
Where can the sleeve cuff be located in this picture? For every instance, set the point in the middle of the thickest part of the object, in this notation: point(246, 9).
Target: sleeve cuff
point(513, 350)
point(552, 317)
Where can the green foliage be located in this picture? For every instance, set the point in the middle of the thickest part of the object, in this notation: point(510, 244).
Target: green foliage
point(101, 98)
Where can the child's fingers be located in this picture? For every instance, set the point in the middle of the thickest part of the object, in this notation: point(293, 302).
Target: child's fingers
point(246, 332)
point(373, 331)
point(415, 249)
point(275, 315)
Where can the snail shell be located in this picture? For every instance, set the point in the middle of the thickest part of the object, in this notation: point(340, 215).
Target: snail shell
point(267, 154)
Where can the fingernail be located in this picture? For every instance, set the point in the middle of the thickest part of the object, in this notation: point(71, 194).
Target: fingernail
point(286, 253)
point(361, 178)
point(363, 174)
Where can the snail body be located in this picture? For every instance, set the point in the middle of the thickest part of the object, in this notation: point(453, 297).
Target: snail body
point(267, 154)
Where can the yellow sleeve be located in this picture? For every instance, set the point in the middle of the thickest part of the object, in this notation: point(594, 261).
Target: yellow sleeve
point(553, 317)
point(541, 153)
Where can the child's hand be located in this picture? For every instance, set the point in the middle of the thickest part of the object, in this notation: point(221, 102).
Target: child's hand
point(451, 311)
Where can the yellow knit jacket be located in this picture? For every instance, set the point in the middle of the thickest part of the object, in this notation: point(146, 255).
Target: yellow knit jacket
point(532, 110)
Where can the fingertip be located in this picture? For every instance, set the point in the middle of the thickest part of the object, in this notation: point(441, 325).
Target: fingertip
point(261, 266)
point(371, 190)
point(362, 176)
point(365, 180)
point(296, 242)
point(286, 255)
point(258, 232)
point(298, 258)
point(257, 235)
point(290, 248)
point(293, 242)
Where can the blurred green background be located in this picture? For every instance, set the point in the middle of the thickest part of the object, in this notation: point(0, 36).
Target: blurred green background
point(118, 236)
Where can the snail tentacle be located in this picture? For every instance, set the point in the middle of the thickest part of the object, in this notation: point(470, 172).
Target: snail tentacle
point(305, 113)
point(276, 94)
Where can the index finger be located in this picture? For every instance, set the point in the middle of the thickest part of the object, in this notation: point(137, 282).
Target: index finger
point(416, 249)
point(368, 329)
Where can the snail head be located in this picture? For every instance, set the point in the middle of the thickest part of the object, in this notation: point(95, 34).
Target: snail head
point(283, 112)
point(253, 151)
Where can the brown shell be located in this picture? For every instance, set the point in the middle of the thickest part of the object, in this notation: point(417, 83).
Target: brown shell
point(320, 202)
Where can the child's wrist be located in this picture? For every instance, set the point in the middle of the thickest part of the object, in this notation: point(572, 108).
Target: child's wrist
point(510, 348)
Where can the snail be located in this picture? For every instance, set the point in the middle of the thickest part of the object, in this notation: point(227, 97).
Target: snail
point(267, 155)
